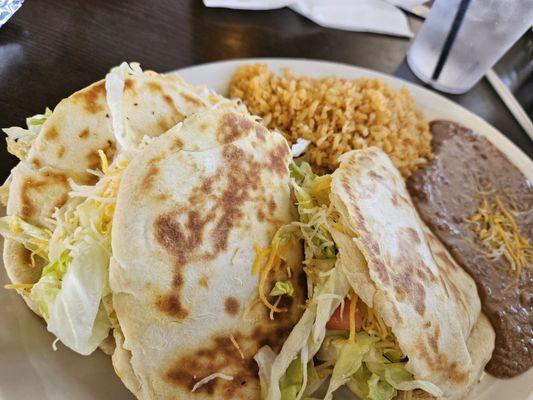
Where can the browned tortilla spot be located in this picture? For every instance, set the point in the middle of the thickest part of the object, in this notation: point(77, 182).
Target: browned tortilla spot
point(400, 293)
point(232, 128)
point(277, 159)
point(456, 374)
point(409, 283)
point(155, 87)
point(203, 281)
point(162, 196)
point(84, 134)
point(191, 99)
point(176, 145)
point(434, 338)
point(51, 133)
point(218, 355)
point(260, 215)
point(129, 84)
point(92, 98)
point(231, 305)
point(375, 175)
point(170, 305)
point(261, 132)
point(150, 175)
point(180, 240)
point(413, 235)
point(37, 185)
point(203, 127)
point(36, 163)
point(420, 298)
point(170, 103)
point(207, 185)
point(271, 206)
point(163, 124)
point(60, 151)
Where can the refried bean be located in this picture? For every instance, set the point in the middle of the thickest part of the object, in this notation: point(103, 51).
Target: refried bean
point(447, 193)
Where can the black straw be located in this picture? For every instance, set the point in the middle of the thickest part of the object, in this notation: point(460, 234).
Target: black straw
point(450, 39)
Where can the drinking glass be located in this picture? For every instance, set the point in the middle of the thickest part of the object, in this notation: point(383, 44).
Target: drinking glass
point(462, 39)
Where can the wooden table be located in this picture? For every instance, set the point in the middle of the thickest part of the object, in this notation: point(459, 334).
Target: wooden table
point(52, 48)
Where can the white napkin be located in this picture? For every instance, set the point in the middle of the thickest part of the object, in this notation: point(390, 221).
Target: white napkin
point(379, 16)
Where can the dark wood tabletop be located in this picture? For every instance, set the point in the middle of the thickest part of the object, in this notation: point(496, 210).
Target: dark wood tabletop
point(52, 48)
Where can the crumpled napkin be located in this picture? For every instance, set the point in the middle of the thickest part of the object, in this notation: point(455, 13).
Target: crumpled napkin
point(8, 8)
point(378, 16)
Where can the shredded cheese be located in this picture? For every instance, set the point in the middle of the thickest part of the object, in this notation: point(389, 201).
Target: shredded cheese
point(18, 286)
point(272, 263)
point(234, 342)
point(209, 378)
point(249, 307)
point(495, 226)
point(261, 253)
point(353, 311)
point(103, 161)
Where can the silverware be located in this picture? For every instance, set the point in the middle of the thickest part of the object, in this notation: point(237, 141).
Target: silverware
point(497, 84)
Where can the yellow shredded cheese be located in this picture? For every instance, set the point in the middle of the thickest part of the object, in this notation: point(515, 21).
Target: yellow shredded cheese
point(373, 323)
point(103, 161)
point(273, 255)
point(272, 262)
point(495, 226)
point(261, 253)
point(353, 311)
point(249, 307)
point(234, 342)
point(19, 286)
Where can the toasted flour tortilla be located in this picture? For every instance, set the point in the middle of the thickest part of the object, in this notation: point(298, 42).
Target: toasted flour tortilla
point(409, 279)
point(189, 213)
point(68, 143)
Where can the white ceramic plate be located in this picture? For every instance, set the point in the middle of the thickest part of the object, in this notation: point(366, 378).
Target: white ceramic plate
point(30, 369)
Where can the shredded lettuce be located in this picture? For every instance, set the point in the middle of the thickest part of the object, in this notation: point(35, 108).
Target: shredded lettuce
point(19, 140)
point(370, 361)
point(349, 360)
point(281, 288)
point(296, 376)
point(76, 316)
point(114, 85)
point(306, 337)
point(35, 239)
point(73, 283)
point(74, 278)
point(77, 252)
point(379, 390)
point(365, 365)
point(291, 383)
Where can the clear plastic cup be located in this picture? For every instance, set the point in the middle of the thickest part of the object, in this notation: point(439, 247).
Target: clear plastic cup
point(462, 39)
